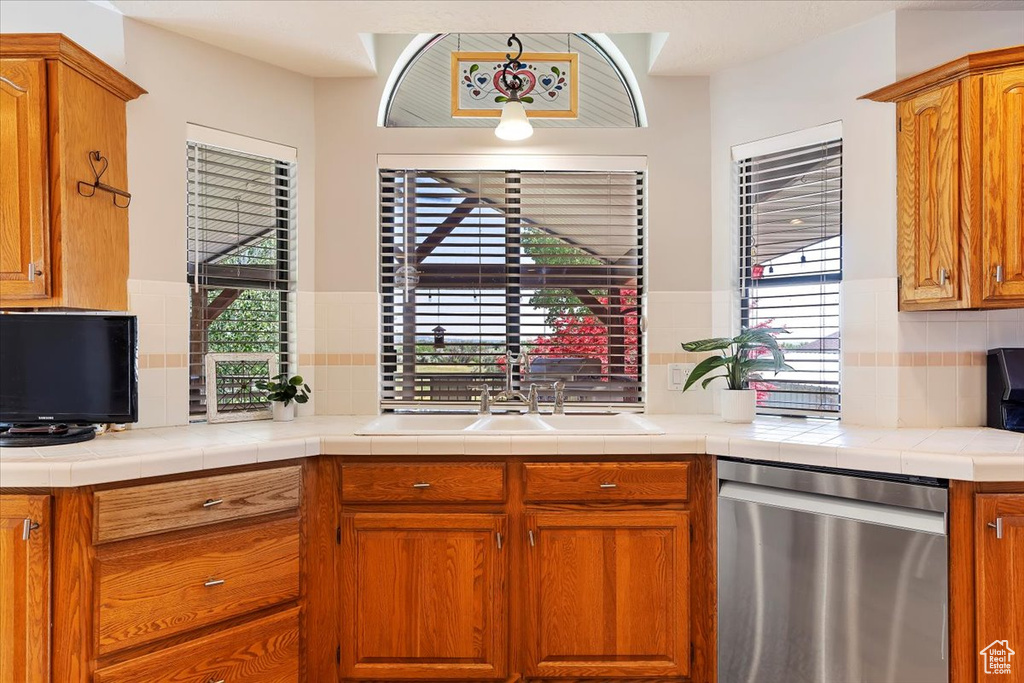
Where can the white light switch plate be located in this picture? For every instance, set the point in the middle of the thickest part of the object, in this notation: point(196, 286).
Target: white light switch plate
point(678, 374)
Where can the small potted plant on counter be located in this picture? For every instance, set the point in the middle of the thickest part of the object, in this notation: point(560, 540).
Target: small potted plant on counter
point(284, 392)
point(743, 358)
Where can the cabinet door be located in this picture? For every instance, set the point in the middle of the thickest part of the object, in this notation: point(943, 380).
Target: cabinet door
point(607, 594)
point(25, 588)
point(24, 230)
point(928, 196)
point(999, 581)
point(423, 596)
point(1003, 185)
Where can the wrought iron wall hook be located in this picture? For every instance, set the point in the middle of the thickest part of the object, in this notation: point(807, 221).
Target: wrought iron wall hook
point(99, 164)
point(512, 64)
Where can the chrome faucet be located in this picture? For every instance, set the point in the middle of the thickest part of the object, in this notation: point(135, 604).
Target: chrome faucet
point(531, 399)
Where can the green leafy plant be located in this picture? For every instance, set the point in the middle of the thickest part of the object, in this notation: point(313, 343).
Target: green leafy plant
point(742, 359)
point(285, 389)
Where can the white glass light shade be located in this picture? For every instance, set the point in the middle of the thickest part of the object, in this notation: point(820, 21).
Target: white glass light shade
point(514, 124)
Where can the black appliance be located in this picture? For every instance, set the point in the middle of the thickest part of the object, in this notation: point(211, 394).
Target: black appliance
point(1006, 389)
point(60, 373)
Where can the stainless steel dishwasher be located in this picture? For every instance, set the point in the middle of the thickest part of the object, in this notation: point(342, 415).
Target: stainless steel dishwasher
point(824, 577)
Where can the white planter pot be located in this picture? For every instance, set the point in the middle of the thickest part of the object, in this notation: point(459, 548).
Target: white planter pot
point(282, 412)
point(739, 405)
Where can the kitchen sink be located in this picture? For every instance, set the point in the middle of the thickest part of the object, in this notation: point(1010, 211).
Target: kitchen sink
point(509, 424)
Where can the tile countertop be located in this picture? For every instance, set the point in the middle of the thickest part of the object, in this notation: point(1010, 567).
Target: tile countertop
point(978, 454)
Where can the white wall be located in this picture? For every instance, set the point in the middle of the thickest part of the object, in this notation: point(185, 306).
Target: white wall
point(187, 82)
point(677, 147)
point(898, 368)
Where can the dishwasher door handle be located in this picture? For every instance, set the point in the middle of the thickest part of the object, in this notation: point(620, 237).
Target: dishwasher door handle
point(833, 506)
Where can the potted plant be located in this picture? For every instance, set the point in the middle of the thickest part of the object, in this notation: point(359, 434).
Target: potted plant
point(284, 392)
point(742, 361)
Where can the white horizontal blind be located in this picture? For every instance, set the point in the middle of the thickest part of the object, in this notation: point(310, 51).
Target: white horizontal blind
point(476, 264)
point(791, 231)
point(241, 237)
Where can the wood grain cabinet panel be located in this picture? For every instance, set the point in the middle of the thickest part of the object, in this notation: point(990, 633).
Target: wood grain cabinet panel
point(151, 589)
point(999, 582)
point(423, 482)
point(58, 248)
point(154, 508)
point(607, 594)
point(1003, 185)
point(606, 481)
point(423, 596)
point(959, 182)
point(928, 196)
point(24, 214)
point(24, 589)
point(263, 651)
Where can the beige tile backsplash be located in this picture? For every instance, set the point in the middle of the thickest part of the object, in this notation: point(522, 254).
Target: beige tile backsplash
point(899, 369)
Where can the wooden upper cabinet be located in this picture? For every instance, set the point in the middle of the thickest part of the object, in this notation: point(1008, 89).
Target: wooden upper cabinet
point(1003, 185)
point(424, 596)
point(959, 151)
point(607, 594)
point(928, 195)
point(58, 104)
point(24, 232)
point(999, 577)
point(25, 589)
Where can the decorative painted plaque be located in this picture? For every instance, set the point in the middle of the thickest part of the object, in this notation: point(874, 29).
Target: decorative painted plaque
point(550, 84)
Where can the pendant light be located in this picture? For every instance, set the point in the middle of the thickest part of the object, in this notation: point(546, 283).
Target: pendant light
point(514, 124)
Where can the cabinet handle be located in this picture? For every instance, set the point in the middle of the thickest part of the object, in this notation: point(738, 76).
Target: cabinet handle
point(421, 485)
point(212, 502)
point(33, 272)
point(27, 528)
point(497, 535)
point(943, 276)
point(999, 273)
point(998, 526)
point(608, 485)
point(529, 535)
point(219, 680)
point(12, 84)
point(214, 582)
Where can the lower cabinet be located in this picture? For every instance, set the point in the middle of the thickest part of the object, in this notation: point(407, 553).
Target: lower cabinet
point(24, 588)
point(607, 594)
point(999, 576)
point(423, 596)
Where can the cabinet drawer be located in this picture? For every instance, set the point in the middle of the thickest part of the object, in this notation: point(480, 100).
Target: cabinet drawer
point(606, 481)
point(156, 589)
point(414, 482)
point(265, 650)
point(153, 508)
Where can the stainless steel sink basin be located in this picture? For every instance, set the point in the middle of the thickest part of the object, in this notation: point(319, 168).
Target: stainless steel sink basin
point(508, 424)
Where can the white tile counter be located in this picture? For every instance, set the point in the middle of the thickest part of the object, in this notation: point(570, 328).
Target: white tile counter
point(977, 454)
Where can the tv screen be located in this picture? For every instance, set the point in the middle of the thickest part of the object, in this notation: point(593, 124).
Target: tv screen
point(58, 368)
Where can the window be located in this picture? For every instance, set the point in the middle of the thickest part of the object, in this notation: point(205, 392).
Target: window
point(478, 266)
point(241, 237)
point(791, 266)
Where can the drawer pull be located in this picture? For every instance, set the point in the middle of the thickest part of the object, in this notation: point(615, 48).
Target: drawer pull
point(213, 582)
point(499, 539)
point(421, 485)
point(609, 485)
point(533, 541)
point(219, 680)
point(212, 502)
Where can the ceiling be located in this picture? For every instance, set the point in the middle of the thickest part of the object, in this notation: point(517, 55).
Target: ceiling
point(326, 38)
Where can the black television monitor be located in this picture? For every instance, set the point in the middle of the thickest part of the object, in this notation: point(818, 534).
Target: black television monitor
point(60, 373)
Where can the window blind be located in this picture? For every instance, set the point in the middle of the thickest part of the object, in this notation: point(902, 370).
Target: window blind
point(476, 265)
point(240, 239)
point(791, 232)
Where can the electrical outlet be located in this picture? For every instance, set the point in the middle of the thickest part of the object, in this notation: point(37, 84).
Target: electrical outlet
point(678, 373)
